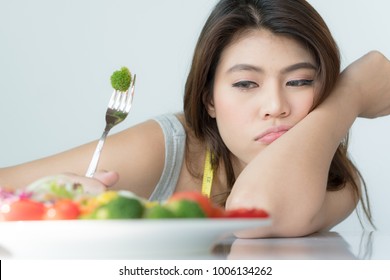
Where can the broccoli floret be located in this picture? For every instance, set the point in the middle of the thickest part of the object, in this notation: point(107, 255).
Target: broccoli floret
point(158, 212)
point(121, 79)
point(186, 209)
point(120, 208)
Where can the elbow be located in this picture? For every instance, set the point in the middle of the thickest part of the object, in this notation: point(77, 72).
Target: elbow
point(297, 227)
point(285, 221)
point(282, 228)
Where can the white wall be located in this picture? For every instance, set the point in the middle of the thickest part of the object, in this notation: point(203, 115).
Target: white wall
point(56, 58)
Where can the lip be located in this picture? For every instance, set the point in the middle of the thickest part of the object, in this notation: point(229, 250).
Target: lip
point(271, 134)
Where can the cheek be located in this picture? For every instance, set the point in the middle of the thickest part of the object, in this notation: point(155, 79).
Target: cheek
point(302, 106)
point(232, 112)
point(228, 114)
point(225, 107)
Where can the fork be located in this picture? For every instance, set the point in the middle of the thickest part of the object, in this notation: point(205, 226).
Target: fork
point(118, 108)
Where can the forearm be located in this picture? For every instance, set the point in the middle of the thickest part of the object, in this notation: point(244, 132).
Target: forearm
point(21, 175)
point(289, 177)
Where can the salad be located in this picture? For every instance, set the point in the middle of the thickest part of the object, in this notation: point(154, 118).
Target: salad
point(57, 199)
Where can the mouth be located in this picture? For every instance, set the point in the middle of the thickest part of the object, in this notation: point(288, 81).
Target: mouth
point(271, 134)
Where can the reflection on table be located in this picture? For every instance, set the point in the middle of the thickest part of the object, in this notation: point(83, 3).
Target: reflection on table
point(320, 246)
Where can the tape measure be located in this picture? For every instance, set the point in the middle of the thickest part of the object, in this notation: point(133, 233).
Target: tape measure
point(207, 175)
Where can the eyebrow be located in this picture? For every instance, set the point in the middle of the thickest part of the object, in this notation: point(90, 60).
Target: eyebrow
point(245, 67)
point(288, 69)
point(297, 66)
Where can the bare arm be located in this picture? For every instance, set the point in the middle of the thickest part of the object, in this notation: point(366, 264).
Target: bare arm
point(128, 153)
point(294, 169)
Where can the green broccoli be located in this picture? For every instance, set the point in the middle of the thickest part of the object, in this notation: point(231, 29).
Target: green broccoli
point(121, 79)
point(185, 209)
point(119, 208)
point(158, 212)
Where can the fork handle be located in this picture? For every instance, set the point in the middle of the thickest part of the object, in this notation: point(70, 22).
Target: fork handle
point(96, 155)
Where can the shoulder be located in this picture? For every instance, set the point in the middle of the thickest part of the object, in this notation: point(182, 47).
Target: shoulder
point(172, 124)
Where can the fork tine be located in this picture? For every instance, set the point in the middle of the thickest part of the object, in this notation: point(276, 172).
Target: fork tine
point(122, 100)
point(118, 97)
point(129, 100)
point(112, 99)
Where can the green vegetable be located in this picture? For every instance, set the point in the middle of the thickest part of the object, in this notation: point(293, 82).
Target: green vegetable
point(53, 188)
point(158, 212)
point(185, 209)
point(121, 79)
point(119, 208)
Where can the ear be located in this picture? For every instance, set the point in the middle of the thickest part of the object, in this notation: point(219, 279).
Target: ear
point(211, 109)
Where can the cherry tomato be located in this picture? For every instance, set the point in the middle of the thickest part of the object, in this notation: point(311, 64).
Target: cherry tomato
point(246, 213)
point(87, 206)
point(218, 212)
point(203, 201)
point(64, 209)
point(22, 210)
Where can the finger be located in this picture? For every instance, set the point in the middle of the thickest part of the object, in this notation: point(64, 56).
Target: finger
point(90, 185)
point(107, 178)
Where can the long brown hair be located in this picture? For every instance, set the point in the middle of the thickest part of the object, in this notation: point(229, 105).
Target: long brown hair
point(294, 18)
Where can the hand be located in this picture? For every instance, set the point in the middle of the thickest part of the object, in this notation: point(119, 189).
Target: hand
point(99, 183)
point(368, 79)
point(96, 185)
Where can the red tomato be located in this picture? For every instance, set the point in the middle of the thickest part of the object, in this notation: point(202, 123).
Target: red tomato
point(64, 209)
point(218, 212)
point(205, 203)
point(22, 210)
point(246, 213)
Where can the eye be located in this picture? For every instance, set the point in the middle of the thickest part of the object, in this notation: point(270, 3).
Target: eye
point(245, 85)
point(299, 83)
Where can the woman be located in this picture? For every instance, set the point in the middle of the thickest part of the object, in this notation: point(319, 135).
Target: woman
point(264, 103)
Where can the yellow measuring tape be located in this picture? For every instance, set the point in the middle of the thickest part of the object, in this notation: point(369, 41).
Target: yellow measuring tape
point(207, 175)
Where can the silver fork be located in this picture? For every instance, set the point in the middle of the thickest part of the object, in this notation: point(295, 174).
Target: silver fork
point(118, 109)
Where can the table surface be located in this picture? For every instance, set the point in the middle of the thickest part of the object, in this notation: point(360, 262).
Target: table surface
point(319, 246)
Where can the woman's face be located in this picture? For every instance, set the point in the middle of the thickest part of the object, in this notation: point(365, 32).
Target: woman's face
point(264, 85)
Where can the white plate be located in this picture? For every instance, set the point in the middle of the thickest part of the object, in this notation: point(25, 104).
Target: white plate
point(116, 239)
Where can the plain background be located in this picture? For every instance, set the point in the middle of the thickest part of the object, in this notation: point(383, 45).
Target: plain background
point(56, 58)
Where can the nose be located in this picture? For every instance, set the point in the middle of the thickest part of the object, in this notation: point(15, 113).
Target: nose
point(274, 104)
